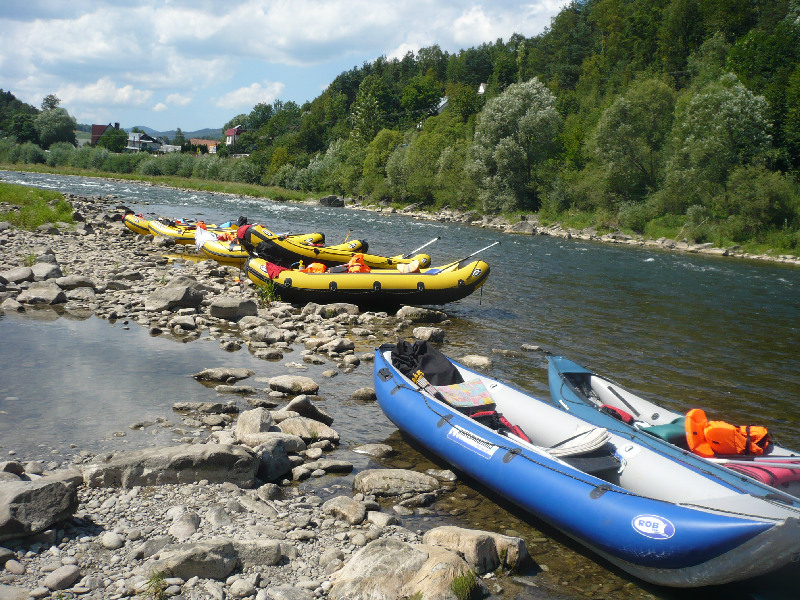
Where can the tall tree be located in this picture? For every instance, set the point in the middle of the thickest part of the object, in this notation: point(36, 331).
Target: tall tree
point(50, 102)
point(55, 125)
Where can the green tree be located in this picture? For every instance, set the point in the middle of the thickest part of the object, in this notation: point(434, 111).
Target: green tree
point(367, 119)
point(376, 157)
point(631, 134)
point(420, 96)
point(50, 102)
point(55, 125)
point(463, 100)
point(23, 127)
point(515, 132)
point(719, 128)
point(114, 140)
point(179, 139)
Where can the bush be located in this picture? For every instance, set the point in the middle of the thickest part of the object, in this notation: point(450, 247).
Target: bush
point(60, 154)
point(80, 157)
point(634, 216)
point(31, 154)
point(185, 165)
point(98, 159)
point(151, 167)
point(9, 151)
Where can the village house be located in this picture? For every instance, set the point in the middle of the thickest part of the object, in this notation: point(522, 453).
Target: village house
point(138, 142)
point(210, 144)
point(232, 134)
point(99, 130)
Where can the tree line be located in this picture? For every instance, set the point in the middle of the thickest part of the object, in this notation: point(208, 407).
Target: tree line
point(662, 117)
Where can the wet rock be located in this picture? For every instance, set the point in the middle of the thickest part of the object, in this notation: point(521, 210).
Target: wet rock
point(364, 394)
point(304, 407)
point(308, 429)
point(483, 550)
point(347, 509)
point(294, 384)
point(17, 275)
point(42, 292)
point(181, 292)
point(223, 374)
point(46, 270)
point(429, 334)
point(253, 421)
point(474, 361)
point(390, 568)
point(273, 460)
point(374, 450)
point(416, 314)
point(175, 464)
point(394, 482)
point(212, 559)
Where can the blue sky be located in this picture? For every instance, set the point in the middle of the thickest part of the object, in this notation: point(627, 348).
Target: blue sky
point(197, 63)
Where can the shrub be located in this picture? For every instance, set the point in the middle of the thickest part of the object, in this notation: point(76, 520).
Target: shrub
point(30, 153)
point(60, 154)
point(151, 166)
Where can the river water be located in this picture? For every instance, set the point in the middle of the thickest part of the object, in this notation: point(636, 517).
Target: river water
point(685, 330)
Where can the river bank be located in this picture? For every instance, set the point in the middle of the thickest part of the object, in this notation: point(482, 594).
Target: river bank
point(224, 513)
point(526, 224)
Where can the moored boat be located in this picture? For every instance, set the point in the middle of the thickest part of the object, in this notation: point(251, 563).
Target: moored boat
point(658, 518)
point(136, 223)
point(229, 251)
point(387, 288)
point(598, 399)
point(286, 250)
point(183, 233)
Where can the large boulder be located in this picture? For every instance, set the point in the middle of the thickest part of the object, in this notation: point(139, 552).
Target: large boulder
point(223, 374)
point(233, 309)
point(217, 463)
point(308, 429)
point(17, 274)
point(293, 384)
point(394, 482)
point(257, 420)
point(212, 559)
point(391, 569)
point(483, 550)
point(180, 292)
point(42, 292)
point(28, 507)
point(417, 314)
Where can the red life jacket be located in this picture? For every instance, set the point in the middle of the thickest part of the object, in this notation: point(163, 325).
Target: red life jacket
point(356, 264)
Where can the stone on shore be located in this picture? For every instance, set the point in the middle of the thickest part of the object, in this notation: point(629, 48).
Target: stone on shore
point(304, 407)
point(216, 463)
point(223, 374)
point(42, 292)
point(483, 550)
point(180, 292)
point(211, 559)
point(233, 309)
point(394, 482)
point(417, 314)
point(28, 507)
point(308, 429)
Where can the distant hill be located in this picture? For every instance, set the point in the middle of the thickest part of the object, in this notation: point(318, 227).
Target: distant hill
point(205, 134)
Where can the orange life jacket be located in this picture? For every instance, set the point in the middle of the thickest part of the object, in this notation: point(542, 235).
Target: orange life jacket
point(314, 267)
point(709, 438)
point(356, 264)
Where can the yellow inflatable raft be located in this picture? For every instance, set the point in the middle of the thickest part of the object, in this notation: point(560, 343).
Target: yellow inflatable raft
point(137, 223)
point(387, 288)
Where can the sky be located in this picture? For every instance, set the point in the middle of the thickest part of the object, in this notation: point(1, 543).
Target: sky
point(195, 64)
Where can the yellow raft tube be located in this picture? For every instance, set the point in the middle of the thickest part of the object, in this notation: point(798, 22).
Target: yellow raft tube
point(386, 288)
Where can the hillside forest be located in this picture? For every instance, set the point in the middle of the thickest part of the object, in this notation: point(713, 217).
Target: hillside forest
point(676, 118)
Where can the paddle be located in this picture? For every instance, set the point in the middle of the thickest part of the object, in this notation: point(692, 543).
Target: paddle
point(413, 252)
point(471, 255)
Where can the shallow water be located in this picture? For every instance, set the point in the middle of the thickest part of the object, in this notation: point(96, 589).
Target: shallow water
point(684, 330)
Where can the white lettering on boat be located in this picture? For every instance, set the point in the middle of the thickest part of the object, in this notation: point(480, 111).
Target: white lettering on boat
point(654, 527)
point(470, 441)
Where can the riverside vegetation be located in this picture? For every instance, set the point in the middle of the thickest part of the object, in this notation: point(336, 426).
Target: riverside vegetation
point(673, 118)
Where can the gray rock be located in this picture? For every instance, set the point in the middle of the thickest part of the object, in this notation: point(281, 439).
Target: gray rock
point(28, 507)
point(216, 463)
point(474, 361)
point(291, 443)
point(289, 592)
point(71, 282)
point(232, 309)
point(211, 559)
point(374, 450)
point(364, 394)
point(43, 270)
point(308, 429)
point(483, 550)
point(294, 384)
point(304, 407)
point(184, 526)
point(394, 482)
point(223, 374)
point(416, 314)
point(257, 420)
point(18, 275)
point(8, 592)
point(62, 578)
point(429, 334)
point(255, 552)
point(112, 540)
point(42, 292)
point(181, 292)
point(347, 509)
point(329, 311)
point(273, 459)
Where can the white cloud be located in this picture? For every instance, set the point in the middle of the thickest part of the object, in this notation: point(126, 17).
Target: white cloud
point(179, 99)
point(103, 92)
point(160, 107)
point(248, 97)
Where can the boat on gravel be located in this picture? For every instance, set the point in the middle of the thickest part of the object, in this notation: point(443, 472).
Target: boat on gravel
point(661, 518)
point(576, 389)
point(184, 233)
point(137, 223)
point(376, 288)
point(226, 249)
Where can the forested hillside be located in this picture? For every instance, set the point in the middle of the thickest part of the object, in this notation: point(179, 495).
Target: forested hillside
point(663, 117)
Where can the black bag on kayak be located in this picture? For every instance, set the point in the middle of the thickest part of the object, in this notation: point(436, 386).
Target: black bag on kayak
point(409, 358)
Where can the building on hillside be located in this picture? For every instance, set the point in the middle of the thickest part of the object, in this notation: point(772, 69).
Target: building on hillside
point(210, 144)
point(167, 148)
point(141, 142)
point(99, 130)
point(232, 134)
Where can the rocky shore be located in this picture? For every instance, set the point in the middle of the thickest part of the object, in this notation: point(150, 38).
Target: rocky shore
point(224, 514)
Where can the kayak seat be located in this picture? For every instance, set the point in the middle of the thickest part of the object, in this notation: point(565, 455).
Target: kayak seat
point(468, 396)
point(596, 463)
point(673, 432)
point(778, 477)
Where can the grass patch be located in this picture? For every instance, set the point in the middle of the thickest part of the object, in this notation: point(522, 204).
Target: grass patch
point(668, 226)
point(464, 584)
point(156, 587)
point(33, 207)
point(266, 294)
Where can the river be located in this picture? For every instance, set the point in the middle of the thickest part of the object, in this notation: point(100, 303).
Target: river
point(685, 330)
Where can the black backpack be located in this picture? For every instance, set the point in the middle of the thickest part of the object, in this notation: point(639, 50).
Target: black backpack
point(409, 358)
